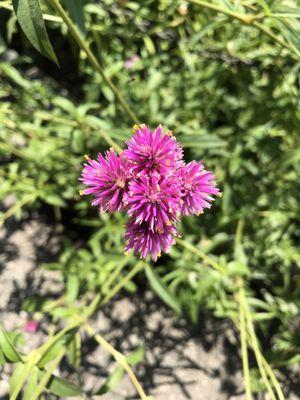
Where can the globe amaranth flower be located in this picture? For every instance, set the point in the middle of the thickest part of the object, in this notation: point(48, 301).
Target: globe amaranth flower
point(153, 151)
point(143, 240)
point(153, 198)
point(106, 179)
point(198, 186)
point(150, 181)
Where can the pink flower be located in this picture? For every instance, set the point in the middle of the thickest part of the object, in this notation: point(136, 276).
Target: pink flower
point(150, 181)
point(154, 199)
point(31, 326)
point(198, 186)
point(106, 179)
point(143, 240)
point(154, 151)
point(129, 63)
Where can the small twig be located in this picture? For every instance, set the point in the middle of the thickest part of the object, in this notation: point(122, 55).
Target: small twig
point(120, 359)
point(90, 55)
point(202, 255)
point(243, 334)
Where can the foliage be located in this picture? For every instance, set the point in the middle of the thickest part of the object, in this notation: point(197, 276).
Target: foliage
point(224, 76)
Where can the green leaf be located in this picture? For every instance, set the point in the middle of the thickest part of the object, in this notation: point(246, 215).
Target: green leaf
point(53, 199)
point(13, 74)
point(113, 379)
point(2, 358)
point(55, 347)
point(8, 348)
point(17, 379)
point(76, 11)
point(136, 356)
point(61, 387)
point(72, 288)
point(32, 383)
point(161, 290)
point(30, 18)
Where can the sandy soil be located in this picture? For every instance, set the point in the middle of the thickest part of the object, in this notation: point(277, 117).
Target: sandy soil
point(181, 362)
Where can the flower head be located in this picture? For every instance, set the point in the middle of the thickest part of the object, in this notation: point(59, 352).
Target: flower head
point(150, 181)
point(154, 199)
point(143, 240)
point(154, 151)
point(106, 179)
point(198, 186)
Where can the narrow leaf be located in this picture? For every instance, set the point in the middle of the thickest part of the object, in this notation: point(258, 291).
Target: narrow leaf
point(30, 18)
point(161, 290)
point(32, 383)
point(7, 347)
point(61, 387)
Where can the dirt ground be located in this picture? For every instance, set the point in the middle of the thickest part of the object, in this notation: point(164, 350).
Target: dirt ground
point(181, 362)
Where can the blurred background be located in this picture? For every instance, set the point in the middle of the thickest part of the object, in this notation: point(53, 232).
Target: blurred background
point(229, 90)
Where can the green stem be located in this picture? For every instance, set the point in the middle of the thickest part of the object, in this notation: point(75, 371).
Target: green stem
point(17, 206)
point(256, 349)
point(138, 267)
point(98, 298)
point(248, 19)
point(93, 60)
point(46, 377)
point(243, 334)
point(274, 380)
point(120, 359)
point(202, 255)
point(245, 18)
point(115, 274)
point(272, 35)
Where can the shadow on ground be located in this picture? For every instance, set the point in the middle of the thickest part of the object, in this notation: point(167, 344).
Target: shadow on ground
point(181, 361)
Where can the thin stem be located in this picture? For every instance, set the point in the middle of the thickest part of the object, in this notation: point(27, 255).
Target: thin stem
point(98, 298)
point(256, 349)
point(115, 274)
point(138, 267)
point(248, 19)
point(17, 206)
point(119, 359)
point(269, 33)
point(93, 60)
point(45, 379)
point(274, 380)
point(202, 255)
point(243, 334)
point(110, 141)
point(245, 18)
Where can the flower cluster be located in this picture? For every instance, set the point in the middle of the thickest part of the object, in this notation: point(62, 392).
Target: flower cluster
point(151, 182)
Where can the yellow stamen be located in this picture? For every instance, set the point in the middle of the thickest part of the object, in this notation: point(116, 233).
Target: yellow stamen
point(81, 192)
point(136, 127)
point(169, 133)
point(86, 157)
point(220, 194)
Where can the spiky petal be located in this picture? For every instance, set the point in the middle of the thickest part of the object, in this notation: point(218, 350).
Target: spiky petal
point(153, 151)
point(143, 241)
point(198, 186)
point(106, 179)
point(154, 199)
